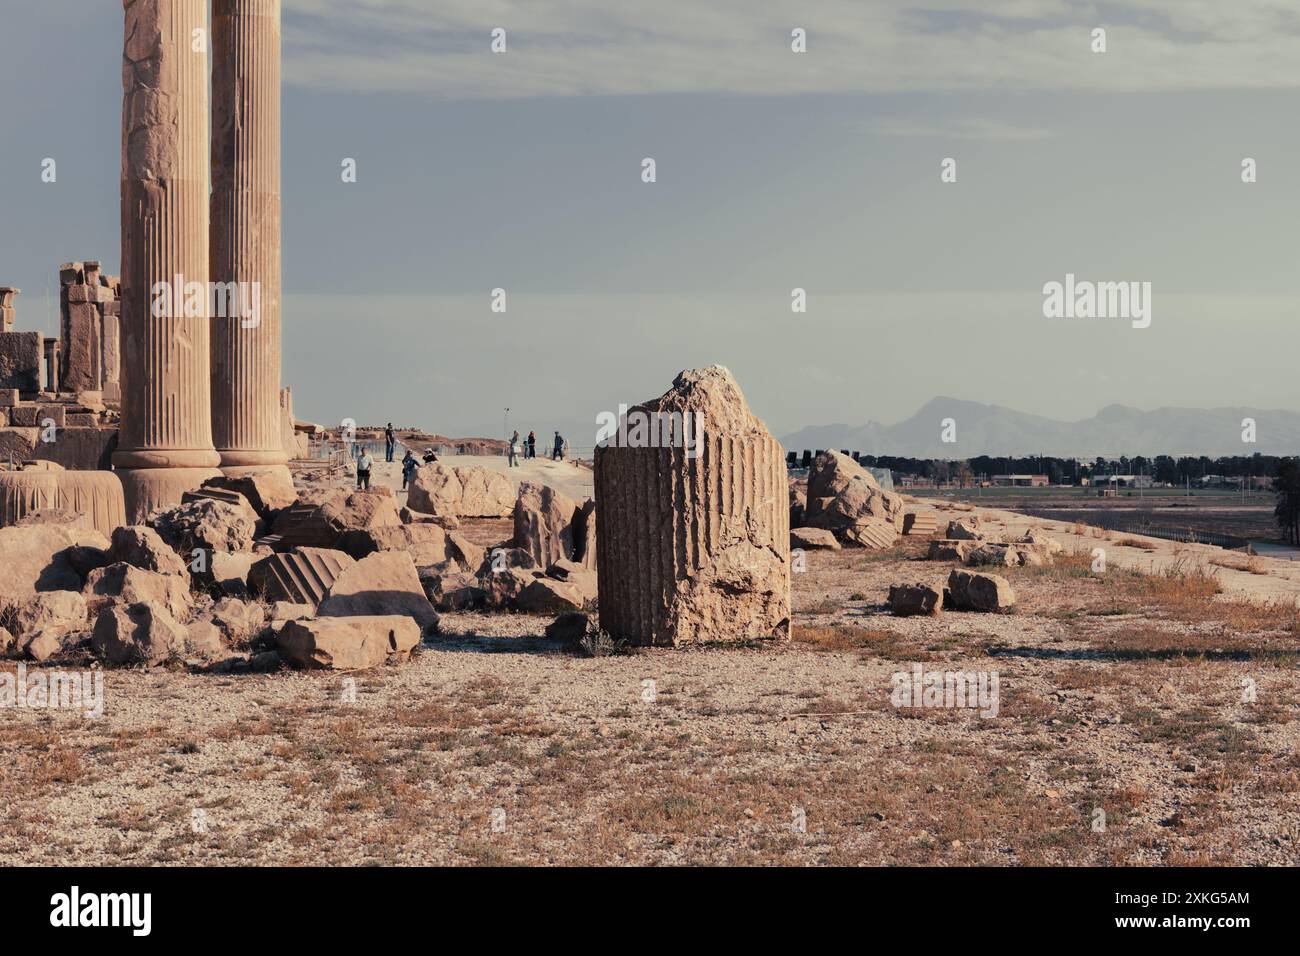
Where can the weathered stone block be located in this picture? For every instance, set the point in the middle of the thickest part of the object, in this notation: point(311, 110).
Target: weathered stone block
point(21, 358)
point(38, 416)
point(385, 582)
point(347, 643)
point(303, 576)
point(18, 444)
point(908, 599)
point(77, 447)
point(143, 632)
point(975, 591)
point(82, 348)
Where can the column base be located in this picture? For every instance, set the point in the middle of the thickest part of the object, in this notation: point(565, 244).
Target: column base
point(241, 471)
point(243, 463)
point(251, 458)
point(148, 489)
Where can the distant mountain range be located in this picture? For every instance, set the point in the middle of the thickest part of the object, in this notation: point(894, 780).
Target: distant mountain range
point(1115, 430)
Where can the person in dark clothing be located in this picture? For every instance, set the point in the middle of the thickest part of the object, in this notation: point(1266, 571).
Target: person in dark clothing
point(558, 453)
point(532, 444)
point(390, 442)
point(409, 465)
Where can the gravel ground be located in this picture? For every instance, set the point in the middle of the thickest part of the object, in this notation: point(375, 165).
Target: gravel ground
point(1125, 732)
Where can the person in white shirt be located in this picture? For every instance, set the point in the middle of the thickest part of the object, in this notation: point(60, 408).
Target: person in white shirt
point(364, 464)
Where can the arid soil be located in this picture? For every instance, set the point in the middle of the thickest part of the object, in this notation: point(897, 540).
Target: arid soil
point(1143, 718)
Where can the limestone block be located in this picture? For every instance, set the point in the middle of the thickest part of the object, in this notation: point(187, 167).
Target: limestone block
point(21, 361)
point(694, 544)
point(347, 643)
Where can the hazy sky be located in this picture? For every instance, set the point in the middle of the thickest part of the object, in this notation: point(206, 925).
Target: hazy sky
point(775, 170)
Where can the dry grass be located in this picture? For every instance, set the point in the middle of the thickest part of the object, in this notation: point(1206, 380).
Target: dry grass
point(1118, 692)
point(866, 642)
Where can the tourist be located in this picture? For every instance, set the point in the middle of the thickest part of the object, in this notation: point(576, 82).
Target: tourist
point(558, 453)
point(409, 465)
point(532, 444)
point(514, 449)
point(390, 442)
point(364, 464)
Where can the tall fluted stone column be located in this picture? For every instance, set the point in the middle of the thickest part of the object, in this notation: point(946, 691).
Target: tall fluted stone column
point(693, 542)
point(246, 419)
point(165, 442)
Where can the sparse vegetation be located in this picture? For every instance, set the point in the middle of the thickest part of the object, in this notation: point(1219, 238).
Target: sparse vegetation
point(720, 756)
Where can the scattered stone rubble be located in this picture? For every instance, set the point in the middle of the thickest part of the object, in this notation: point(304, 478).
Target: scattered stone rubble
point(845, 499)
point(165, 558)
point(965, 591)
point(217, 580)
point(461, 492)
point(811, 539)
point(967, 541)
point(920, 523)
point(976, 591)
point(908, 599)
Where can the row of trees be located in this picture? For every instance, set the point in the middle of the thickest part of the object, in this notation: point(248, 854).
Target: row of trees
point(1161, 468)
point(1287, 486)
point(1285, 473)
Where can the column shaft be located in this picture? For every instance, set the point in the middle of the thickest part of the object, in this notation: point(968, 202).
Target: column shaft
point(693, 545)
point(165, 445)
point(245, 233)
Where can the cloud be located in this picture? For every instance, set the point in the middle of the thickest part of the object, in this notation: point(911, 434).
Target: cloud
point(963, 127)
point(627, 47)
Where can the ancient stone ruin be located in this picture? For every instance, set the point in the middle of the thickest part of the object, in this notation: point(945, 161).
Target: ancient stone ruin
point(172, 527)
point(58, 395)
point(845, 499)
point(197, 387)
point(165, 447)
point(88, 347)
point(693, 548)
point(245, 235)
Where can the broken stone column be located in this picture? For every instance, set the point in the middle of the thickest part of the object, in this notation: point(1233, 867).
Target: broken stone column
point(693, 542)
point(8, 314)
point(246, 420)
point(111, 344)
point(165, 446)
point(97, 495)
point(80, 328)
point(52, 362)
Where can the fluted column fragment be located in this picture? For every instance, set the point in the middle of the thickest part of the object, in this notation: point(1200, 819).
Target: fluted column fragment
point(165, 445)
point(694, 530)
point(246, 419)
